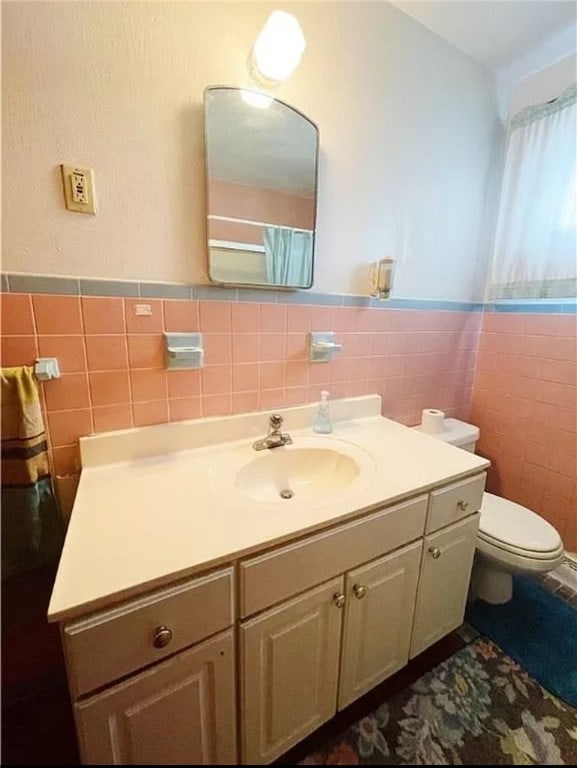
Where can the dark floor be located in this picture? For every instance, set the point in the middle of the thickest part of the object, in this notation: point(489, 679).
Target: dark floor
point(37, 721)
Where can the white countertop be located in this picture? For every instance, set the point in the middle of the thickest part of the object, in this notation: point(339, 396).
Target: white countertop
point(145, 522)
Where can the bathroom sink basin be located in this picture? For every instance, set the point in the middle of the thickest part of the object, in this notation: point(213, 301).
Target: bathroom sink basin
point(299, 473)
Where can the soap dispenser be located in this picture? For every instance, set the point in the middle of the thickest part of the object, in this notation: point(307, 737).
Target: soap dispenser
point(322, 423)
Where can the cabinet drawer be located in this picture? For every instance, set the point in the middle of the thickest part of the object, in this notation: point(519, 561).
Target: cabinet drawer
point(273, 577)
point(113, 643)
point(453, 502)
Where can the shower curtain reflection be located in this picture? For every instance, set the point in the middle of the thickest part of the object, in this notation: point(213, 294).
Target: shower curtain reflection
point(288, 256)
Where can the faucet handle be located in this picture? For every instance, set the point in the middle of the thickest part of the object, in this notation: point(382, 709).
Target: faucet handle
point(276, 421)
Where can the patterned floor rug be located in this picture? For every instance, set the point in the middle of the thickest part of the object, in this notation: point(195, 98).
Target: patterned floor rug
point(477, 708)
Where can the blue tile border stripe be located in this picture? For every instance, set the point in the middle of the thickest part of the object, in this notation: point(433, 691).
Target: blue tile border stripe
point(23, 283)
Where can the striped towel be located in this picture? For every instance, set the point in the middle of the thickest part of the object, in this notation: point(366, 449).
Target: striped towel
point(32, 531)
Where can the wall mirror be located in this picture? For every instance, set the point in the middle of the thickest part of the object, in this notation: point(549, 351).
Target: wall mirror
point(261, 161)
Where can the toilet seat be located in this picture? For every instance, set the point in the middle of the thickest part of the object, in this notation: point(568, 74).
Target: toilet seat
point(516, 530)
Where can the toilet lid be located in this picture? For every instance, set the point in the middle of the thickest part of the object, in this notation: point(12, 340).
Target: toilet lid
point(512, 525)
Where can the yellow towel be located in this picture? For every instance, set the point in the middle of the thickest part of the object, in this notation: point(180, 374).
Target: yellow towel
point(24, 445)
point(32, 531)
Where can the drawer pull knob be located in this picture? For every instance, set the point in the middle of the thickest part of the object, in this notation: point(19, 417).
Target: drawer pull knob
point(162, 637)
point(339, 599)
point(463, 505)
point(435, 552)
point(359, 591)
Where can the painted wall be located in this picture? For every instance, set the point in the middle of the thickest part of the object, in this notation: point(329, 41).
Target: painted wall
point(525, 403)
point(407, 129)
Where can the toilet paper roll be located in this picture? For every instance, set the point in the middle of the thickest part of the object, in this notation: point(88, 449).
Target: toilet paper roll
point(432, 421)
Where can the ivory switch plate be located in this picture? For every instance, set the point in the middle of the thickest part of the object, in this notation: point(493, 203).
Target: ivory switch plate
point(79, 189)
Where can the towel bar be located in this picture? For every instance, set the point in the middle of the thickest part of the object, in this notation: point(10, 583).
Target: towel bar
point(46, 368)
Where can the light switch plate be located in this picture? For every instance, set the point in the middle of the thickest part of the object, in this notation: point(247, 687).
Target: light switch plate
point(78, 186)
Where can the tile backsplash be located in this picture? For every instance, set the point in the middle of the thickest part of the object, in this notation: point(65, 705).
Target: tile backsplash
point(256, 357)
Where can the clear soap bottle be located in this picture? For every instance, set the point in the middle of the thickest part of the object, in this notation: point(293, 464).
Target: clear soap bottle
point(322, 423)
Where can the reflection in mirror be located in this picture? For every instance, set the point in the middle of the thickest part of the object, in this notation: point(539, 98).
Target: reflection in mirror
point(261, 160)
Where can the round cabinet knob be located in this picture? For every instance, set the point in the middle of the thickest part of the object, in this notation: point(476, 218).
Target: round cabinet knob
point(162, 637)
point(435, 552)
point(359, 591)
point(339, 599)
point(462, 504)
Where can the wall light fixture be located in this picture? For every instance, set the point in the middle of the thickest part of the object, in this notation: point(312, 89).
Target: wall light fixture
point(277, 50)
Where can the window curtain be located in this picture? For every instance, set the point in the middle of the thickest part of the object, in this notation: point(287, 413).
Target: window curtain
point(535, 252)
point(288, 255)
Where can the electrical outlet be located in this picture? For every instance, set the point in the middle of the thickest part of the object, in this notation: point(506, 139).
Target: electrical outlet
point(79, 189)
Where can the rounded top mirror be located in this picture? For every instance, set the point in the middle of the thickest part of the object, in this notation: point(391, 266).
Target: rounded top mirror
point(261, 169)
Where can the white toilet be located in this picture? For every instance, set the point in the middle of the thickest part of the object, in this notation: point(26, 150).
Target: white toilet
point(511, 539)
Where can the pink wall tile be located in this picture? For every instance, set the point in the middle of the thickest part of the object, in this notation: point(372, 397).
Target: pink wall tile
point(297, 346)
point(106, 353)
point(321, 318)
point(215, 317)
point(245, 317)
point(272, 347)
point(147, 414)
point(297, 373)
point(245, 402)
point(67, 426)
point(271, 398)
point(110, 417)
point(152, 323)
point(298, 318)
point(57, 314)
point(217, 348)
point(103, 315)
point(66, 460)
point(295, 396)
point(216, 405)
point(525, 403)
point(17, 317)
point(109, 388)
point(216, 379)
point(185, 408)
point(342, 319)
point(245, 377)
point(272, 375)
point(69, 391)
point(183, 383)
point(273, 318)
point(68, 349)
point(181, 316)
point(19, 350)
point(148, 385)
point(245, 347)
point(146, 351)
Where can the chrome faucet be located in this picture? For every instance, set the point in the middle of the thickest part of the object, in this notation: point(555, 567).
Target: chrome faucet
point(275, 438)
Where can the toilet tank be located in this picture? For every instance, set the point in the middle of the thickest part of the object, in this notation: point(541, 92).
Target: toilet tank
point(457, 433)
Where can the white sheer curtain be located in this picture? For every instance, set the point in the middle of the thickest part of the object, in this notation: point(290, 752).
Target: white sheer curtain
point(535, 253)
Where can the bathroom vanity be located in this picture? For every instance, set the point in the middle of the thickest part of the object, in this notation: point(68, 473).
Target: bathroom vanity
point(207, 620)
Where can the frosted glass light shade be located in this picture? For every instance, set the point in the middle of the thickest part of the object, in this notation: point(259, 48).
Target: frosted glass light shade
point(279, 47)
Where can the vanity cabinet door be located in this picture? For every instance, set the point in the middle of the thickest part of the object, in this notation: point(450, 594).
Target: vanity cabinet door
point(179, 712)
point(290, 661)
point(378, 621)
point(444, 583)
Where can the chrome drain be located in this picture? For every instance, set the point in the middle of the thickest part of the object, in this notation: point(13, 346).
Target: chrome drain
point(287, 494)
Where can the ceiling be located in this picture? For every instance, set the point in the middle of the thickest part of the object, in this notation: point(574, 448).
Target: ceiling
point(495, 32)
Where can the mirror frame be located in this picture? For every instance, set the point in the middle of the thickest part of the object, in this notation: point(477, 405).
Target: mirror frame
point(262, 286)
